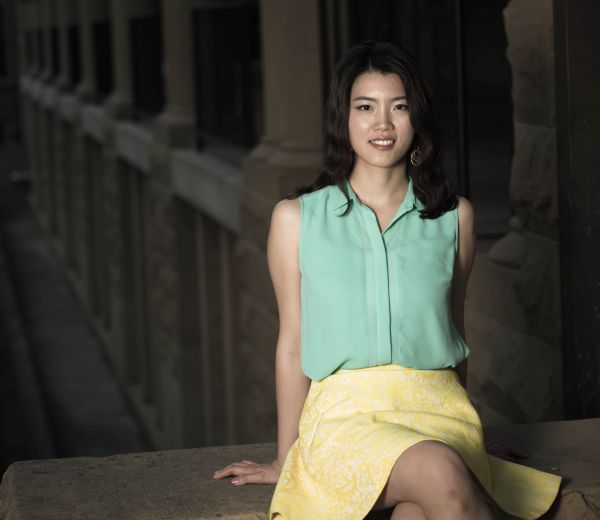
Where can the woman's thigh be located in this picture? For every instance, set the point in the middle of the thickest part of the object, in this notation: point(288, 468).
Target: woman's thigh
point(425, 466)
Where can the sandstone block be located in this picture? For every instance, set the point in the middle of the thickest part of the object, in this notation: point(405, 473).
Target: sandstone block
point(178, 484)
point(533, 183)
point(529, 29)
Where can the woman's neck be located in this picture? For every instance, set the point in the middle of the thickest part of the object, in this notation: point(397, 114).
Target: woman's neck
point(379, 187)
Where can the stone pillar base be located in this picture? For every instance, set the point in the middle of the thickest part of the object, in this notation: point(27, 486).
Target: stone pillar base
point(174, 130)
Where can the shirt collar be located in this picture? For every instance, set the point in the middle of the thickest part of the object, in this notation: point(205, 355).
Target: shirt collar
point(410, 200)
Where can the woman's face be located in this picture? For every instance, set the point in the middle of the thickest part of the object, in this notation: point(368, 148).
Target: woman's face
point(379, 124)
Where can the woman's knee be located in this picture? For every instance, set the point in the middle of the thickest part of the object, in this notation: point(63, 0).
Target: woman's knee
point(451, 487)
point(433, 475)
point(429, 470)
point(440, 462)
point(409, 471)
point(444, 470)
point(438, 472)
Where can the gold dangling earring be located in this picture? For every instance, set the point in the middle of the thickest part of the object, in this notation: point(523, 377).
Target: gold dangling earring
point(415, 156)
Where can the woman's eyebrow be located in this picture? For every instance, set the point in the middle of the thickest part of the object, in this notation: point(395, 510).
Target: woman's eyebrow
point(373, 99)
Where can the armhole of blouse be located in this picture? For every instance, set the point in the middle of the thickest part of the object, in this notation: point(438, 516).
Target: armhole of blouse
point(300, 234)
point(456, 233)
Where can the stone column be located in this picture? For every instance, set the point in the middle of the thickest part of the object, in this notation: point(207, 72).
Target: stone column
point(44, 117)
point(37, 24)
point(175, 125)
point(23, 10)
point(28, 26)
point(173, 128)
point(291, 134)
point(62, 17)
point(25, 26)
point(46, 20)
point(119, 105)
point(513, 301)
point(533, 188)
point(533, 184)
point(41, 54)
point(118, 109)
point(85, 89)
point(288, 155)
point(32, 109)
point(88, 12)
point(64, 140)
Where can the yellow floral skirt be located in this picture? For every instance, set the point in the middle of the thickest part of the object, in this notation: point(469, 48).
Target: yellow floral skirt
point(356, 423)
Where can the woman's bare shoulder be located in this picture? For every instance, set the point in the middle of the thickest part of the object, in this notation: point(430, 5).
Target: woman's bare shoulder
point(285, 223)
point(466, 217)
point(287, 211)
point(466, 210)
point(467, 236)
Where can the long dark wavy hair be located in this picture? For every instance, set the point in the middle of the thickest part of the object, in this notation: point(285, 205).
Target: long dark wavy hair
point(430, 184)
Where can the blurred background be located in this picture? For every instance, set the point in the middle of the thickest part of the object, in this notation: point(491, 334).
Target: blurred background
point(143, 145)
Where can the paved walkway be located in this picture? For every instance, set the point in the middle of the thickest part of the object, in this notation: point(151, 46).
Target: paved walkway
point(58, 395)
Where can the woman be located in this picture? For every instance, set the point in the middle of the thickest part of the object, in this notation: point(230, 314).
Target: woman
point(370, 265)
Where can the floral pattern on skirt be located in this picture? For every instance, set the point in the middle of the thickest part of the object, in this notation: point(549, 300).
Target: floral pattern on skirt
point(356, 423)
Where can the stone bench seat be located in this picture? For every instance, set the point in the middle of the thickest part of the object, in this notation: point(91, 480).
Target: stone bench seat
point(178, 484)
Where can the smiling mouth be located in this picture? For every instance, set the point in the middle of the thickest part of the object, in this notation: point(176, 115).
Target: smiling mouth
point(382, 142)
point(382, 145)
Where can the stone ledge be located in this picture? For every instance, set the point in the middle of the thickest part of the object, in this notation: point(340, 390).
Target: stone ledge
point(178, 484)
point(209, 184)
point(133, 143)
point(93, 122)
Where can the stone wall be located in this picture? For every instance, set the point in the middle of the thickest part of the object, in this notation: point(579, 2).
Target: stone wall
point(165, 243)
point(124, 213)
point(513, 306)
point(288, 155)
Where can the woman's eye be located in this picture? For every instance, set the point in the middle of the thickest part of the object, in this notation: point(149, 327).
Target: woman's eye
point(365, 108)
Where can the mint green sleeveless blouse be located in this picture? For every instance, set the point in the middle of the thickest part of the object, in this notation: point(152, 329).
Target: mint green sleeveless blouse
point(373, 298)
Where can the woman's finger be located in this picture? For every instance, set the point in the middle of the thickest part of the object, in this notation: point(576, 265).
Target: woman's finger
point(258, 477)
point(244, 462)
point(233, 469)
point(224, 471)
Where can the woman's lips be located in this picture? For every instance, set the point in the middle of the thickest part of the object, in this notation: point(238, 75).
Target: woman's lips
point(382, 144)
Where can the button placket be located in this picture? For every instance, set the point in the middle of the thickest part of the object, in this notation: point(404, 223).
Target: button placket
point(370, 284)
point(381, 353)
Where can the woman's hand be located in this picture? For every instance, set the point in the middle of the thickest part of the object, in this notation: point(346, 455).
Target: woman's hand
point(248, 472)
point(505, 452)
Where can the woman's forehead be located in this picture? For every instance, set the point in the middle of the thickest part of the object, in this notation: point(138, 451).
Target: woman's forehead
point(377, 82)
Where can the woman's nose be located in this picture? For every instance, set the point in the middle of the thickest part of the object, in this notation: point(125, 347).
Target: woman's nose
point(383, 121)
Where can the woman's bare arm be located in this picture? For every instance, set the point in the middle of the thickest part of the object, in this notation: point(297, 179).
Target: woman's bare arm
point(291, 384)
point(462, 270)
